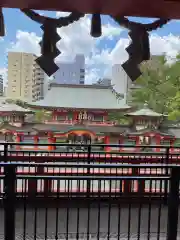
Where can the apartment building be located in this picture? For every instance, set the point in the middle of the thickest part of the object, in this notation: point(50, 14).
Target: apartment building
point(1, 85)
point(25, 77)
point(120, 80)
point(71, 72)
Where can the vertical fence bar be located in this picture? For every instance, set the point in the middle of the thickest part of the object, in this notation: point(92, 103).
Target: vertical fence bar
point(173, 204)
point(166, 173)
point(9, 198)
point(88, 170)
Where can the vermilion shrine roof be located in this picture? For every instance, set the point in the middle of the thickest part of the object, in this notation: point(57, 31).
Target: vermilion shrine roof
point(81, 97)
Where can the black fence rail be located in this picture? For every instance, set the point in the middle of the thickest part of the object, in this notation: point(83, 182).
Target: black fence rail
point(82, 179)
point(88, 195)
point(114, 214)
point(30, 152)
point(105, 164)
point(87, 164)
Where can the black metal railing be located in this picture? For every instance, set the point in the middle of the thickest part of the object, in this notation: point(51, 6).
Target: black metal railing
point(113, 214)
point(87, 195)
point(95, 152)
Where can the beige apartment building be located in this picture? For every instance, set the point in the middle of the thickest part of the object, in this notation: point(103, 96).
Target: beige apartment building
point(25, 77)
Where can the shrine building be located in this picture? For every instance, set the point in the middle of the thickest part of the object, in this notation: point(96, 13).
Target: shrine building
point(80, 114)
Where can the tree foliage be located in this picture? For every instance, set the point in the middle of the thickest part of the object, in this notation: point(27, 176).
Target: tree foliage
point(119, 118)
point(42, 115)
point(18, 102)
point(159, 87)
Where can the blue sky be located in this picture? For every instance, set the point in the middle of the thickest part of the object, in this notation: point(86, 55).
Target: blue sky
point(22, 34)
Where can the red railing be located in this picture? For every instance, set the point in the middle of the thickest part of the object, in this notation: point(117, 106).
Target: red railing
point(105, 165)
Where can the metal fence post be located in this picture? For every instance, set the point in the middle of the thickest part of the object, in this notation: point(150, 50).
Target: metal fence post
point(9, 197)
point(173, 204)
point(88, 170)
point(166, 173)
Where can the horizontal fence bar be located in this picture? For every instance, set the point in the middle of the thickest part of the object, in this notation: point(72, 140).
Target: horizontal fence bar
point(92, 177)
point(138, 153)
point(83, 145)
point(91, 164)
point(38, 172)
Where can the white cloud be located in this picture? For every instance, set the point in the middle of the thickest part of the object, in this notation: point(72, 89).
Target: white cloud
point(26, 42)
point(170, 45)
point(76, 39)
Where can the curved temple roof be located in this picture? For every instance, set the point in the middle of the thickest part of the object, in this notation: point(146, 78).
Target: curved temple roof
point(145, 111)
point(81, 97)
point(11, 107)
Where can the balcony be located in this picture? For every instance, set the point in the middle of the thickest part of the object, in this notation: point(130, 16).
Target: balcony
point(88, 195)
point(77, 122)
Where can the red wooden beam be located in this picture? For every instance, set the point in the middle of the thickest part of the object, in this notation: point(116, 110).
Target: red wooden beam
point(142, 8)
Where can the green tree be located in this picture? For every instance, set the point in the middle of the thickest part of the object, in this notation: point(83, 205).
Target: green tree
point(160, 83)
point(42, 115)
point(119, 118)
point(174, 107)
point(18, 102)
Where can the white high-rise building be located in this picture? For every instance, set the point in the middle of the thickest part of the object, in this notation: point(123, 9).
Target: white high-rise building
point(1, 85)
point(71, 72)
point(120, 80)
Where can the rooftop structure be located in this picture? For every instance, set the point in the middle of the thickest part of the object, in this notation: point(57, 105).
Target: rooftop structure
point(104, 82)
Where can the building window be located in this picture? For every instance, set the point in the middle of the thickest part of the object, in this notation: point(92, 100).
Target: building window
point(61, 117)
point(84, 116)
point(98, 118)
point(165, 142)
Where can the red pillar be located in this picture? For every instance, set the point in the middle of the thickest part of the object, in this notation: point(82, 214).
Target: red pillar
point(75, 116)
point(53, 141)
point(50, 141)
point(53, 116)
point(105, 117)
point(138, 143)
point(121, 140)
point(36, 140)
point(107, 141)
point(158, 142)
point(18, 140)
point(171, 144)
